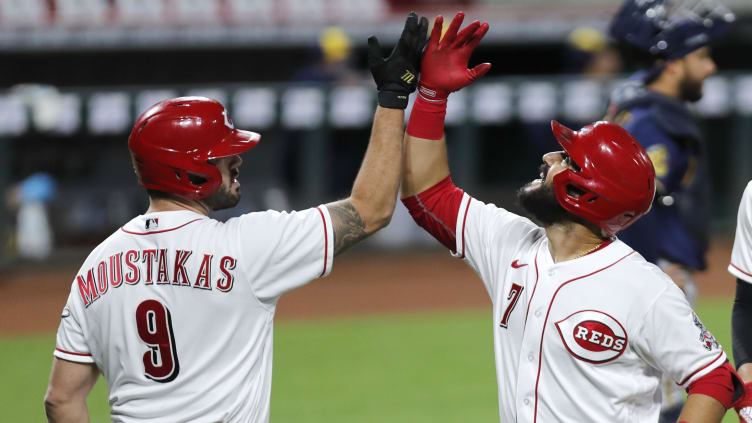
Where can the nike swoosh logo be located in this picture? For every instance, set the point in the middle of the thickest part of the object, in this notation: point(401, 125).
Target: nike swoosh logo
point(66, 313)
point(516, 264)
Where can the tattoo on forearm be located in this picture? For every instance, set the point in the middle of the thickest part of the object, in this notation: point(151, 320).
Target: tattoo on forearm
point(348, 225)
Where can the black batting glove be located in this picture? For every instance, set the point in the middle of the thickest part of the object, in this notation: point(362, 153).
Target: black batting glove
point(397, 75)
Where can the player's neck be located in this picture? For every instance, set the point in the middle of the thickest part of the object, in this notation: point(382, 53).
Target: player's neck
point(176, 204)
point(569, 241)
point(665, 86)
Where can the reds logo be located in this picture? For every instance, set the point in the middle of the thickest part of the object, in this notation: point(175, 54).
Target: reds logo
point(706, 338)
point(592, 336)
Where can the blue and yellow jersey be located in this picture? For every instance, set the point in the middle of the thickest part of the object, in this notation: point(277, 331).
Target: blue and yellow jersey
point(677, 227)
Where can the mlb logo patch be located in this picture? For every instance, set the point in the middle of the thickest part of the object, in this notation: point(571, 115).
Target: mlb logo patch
point(151, 224)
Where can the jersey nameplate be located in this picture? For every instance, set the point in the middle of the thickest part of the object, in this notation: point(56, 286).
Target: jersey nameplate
point(155, 267)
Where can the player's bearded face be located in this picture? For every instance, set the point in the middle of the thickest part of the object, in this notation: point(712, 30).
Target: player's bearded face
point(228, 194)
point(538, 199)
point(697, 65)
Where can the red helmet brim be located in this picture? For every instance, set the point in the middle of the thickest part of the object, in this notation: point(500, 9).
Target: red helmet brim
point(563, 135)
point(237, 142)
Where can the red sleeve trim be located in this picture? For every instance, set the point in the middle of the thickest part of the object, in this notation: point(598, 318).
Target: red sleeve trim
point(72, 353)
point(718, 384)
point(326, 242)
point(739, 269)
point(464, 222)
point(436, 210)
point(701, 369)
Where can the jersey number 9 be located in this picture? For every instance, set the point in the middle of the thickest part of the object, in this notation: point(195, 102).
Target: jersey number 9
point(155, 330)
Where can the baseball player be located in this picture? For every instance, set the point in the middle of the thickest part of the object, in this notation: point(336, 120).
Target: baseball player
point(584, 327)
point(741, 267)
point(652, 106)
point(175, 309)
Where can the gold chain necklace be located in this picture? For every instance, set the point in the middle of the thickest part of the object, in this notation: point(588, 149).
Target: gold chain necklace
point(590, 250)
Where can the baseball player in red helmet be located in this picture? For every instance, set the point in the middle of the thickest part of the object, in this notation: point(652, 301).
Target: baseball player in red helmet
point(175, 309)
point(584, 327)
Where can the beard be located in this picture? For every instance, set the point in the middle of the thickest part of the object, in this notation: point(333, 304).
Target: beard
point(222, 198)
point(690, 90)
point(540, 203)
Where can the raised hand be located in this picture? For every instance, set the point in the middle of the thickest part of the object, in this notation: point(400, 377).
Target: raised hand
point(444, 66)
point(397, 75)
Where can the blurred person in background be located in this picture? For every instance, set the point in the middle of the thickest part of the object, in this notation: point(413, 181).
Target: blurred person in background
point(176, 309)
point(589, 54)
point(331, 63)
point(29, 198)
point(673, 43)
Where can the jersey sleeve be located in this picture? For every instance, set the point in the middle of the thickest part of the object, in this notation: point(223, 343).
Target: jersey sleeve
point(70, 343)
point(283, 251)
point(741, 255)
point(673, 339)
point(488, 236)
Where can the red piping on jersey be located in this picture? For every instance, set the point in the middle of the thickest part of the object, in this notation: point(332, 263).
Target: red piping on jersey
point(72, 353)
point(464, 220)
point(701, 369)
point(534, 287)
point(737, 268)
point(326, 242)
point(163, 230)
point(540, 352)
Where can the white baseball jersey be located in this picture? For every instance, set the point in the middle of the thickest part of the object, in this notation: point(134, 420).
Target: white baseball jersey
point(176, 310)
point(741, 255)
point(585, 339)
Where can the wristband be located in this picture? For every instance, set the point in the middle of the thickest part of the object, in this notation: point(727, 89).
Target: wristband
point(427, 118)
point(393, 100)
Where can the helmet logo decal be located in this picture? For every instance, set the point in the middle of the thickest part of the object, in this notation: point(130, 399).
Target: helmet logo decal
point(228, 122)
point(592, 336)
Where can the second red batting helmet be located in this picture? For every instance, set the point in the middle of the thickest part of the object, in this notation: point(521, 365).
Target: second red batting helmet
point(173, 140)
point(615, 184)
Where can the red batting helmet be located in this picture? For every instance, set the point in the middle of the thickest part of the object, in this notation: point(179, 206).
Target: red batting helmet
point(173, 140)
point(616, 181)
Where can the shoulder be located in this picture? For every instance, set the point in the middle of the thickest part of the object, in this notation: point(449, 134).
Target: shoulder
point(638, 274)
point(491, 215)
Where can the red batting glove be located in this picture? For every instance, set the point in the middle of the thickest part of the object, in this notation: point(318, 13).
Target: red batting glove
point(743, 406)
point(443, 71)
point(444, 66)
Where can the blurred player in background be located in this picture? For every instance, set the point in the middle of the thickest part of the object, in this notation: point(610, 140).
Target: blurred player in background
point(175, 308)
point(673, 43)
point(584, 328)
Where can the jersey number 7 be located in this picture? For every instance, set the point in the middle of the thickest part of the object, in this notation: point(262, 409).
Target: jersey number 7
point(155, 330)
point(514, 295)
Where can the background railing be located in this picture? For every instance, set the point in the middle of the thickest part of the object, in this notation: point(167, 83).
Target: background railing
point(314, 137)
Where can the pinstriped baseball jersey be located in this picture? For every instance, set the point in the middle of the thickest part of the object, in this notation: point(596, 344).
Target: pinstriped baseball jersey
point(741, 256)
point(179, 307)
point(580, 340)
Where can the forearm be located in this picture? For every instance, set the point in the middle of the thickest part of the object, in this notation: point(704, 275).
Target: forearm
point(73, 412)
point(741, 321)
point(426, 163)
point(701, 408)
point(374, 192)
